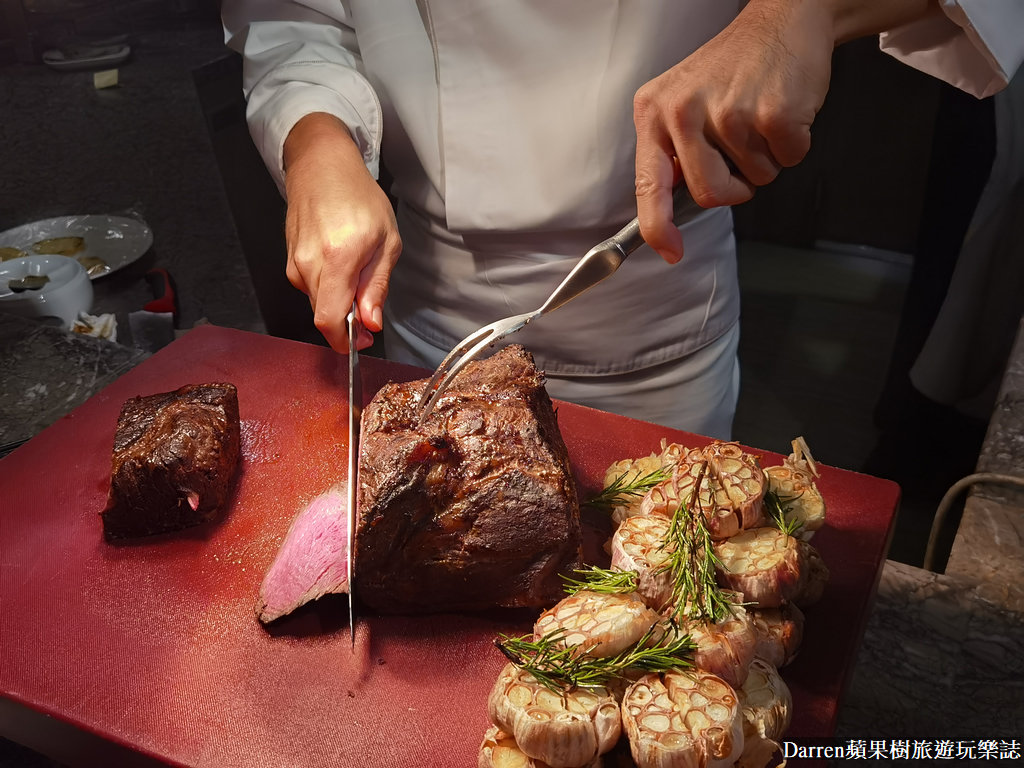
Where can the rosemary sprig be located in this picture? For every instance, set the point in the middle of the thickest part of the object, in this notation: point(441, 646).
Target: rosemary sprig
point(620, 490)
point(560, 668)
point(601, 580)
point(692, 561)
point(551, 663)
point(778, 512)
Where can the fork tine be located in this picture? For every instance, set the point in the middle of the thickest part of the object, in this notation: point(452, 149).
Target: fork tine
point(476, 342)
point(449, 367)
point(458, 350)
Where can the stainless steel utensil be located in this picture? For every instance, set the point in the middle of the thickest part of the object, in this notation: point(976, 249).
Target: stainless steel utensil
point(355, 412)
point(598, 263)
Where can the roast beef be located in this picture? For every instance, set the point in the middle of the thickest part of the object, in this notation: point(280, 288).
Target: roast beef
point(475, 508)
point(312, 561)
point(174, 460)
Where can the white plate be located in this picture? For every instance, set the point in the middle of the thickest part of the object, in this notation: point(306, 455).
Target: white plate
point(117, 240)
point(86, 57)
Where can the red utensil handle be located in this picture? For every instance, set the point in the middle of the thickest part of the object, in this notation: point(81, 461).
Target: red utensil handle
point(163, 289)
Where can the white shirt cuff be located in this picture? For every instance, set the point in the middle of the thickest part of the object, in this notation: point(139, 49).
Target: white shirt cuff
point(275, 108)
point(975, 45)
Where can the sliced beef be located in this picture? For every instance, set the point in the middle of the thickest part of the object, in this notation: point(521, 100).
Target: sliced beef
point(476, 508)
point(174, 461)
point(312, 561)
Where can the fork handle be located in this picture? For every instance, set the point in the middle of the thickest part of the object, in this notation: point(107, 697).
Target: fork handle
point(628, 239)
point(602, 260)
point(597, 264)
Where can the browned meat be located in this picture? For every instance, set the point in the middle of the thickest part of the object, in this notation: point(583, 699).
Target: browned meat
point(475, 509)
point(174, 462)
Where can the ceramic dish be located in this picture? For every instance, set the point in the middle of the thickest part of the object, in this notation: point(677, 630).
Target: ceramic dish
point(115, 241)
point(66, 291)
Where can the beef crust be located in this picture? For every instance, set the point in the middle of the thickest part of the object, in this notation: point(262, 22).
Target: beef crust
point(174, 461)
point(475, 509)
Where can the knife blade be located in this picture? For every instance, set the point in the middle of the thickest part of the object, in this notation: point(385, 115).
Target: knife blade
point(355, 412)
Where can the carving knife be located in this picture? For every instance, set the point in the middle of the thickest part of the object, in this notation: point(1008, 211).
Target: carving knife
point(355, 412)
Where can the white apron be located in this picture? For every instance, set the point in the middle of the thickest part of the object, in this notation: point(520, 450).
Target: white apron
point(514, 154)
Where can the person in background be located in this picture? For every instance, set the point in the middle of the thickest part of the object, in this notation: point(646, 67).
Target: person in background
point(520, 134)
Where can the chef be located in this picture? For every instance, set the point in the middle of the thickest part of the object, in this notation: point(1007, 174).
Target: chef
point(521, 133)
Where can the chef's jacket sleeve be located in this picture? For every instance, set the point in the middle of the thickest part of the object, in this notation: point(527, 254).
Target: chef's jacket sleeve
point(300, 58)
point(976, 45)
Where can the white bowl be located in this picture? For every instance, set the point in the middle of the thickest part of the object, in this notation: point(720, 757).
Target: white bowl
point(68, 291)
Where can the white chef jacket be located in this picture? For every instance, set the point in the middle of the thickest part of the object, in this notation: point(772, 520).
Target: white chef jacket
point(507, 127)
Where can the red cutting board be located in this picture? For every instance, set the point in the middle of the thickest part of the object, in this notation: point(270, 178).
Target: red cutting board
point(151, 652)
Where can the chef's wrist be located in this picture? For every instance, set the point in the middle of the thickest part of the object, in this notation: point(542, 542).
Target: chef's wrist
point(859, 18)
point(315, 133)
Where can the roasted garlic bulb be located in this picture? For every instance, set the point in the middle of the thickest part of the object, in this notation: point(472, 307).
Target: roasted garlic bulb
point(600, 624)
point(779, 631)
point(638, 544)
point(635, 475)
point(731, 493)
point(765, 702)
point(565, 729)
point(724, 648)
point(499, 750)
point(683, 719)
point(793, 483)
point(769, 567)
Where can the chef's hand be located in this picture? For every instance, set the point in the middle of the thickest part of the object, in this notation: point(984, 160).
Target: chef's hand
point(340, 228)
point(730, 116)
